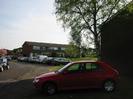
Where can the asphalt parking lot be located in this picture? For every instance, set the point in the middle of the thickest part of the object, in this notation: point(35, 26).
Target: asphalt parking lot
point(16, 83)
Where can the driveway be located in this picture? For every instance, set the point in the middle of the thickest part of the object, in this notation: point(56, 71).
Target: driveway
point(20, 71)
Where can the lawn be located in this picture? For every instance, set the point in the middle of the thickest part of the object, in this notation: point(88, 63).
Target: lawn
point(83, 58)
point(54, 68)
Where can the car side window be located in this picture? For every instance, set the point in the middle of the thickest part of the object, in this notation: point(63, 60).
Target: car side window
point(88, 66)
point(78, 67)
point(74, 67)
point(92, 67)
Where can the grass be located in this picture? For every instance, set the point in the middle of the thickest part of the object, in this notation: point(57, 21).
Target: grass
point(83, 58)
point(54, 68)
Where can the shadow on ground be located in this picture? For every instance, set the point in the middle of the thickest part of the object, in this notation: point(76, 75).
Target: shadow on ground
point(25, 90)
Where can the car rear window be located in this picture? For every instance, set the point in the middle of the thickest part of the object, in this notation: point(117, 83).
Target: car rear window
point(92, 67)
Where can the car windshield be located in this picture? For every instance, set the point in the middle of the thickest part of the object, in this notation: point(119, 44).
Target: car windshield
point(60, 70)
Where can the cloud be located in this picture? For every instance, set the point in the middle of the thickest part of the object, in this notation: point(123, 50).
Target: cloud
point(42, 28)
point(29, 21)
point(36, 28)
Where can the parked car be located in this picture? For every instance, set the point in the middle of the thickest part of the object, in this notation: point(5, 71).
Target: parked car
point(60, 61)
point(22, 59)
point(37, 59)
point(33, 59)
point(78, 75)
point(41, 58)
point(56, 61)
point(48, 60)
point(3, 64)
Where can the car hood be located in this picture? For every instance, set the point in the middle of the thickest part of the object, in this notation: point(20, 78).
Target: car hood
point(47, 75)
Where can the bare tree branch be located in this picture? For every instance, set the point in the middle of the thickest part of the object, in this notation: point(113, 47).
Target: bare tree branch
point(85, 19)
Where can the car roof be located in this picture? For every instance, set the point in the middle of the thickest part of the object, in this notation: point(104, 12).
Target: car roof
point(84, 61)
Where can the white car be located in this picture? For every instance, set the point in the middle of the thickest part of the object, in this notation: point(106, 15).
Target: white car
point(41, 58)
point(37, 59)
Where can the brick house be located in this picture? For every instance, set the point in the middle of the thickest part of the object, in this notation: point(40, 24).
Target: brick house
point(49, 49)
point(117, 38)
point(3, 52)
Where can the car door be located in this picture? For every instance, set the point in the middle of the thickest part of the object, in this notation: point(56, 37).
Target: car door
point(93, 75)
point(71, 78)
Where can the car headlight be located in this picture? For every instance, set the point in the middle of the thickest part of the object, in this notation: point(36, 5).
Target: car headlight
point(36, 80)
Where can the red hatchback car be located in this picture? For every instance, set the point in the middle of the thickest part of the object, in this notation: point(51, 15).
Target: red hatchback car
point(78, 75)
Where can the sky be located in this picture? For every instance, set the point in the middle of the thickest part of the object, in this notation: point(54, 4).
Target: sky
point(29, 20)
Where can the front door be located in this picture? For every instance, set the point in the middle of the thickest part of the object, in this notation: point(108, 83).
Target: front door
point(92, 75)
point(72, 77)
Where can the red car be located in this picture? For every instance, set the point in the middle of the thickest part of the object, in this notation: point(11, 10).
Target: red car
point(78, 75)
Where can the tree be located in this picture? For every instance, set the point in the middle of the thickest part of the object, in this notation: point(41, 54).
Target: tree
point(75, 42)
point(72, 50)
point(84, 17)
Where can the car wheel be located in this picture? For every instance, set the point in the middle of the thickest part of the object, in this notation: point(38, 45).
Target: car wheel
point(109, 86)
point(1, 69)
point(49, 89)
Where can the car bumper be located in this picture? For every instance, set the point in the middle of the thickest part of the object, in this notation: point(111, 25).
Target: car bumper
point(36, 83)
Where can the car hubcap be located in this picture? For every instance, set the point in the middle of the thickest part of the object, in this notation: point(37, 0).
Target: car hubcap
point(51, 89)
point(109, 86)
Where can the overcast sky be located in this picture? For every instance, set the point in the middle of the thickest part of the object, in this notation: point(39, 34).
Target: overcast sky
point(29, 20)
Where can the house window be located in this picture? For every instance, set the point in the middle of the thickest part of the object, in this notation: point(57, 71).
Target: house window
point(43, 48)
point(62, 48)
point(36, 47)
point(53, 48)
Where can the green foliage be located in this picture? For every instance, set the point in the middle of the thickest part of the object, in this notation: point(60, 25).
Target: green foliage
point(83, 18)
point(72, 50)
point(130, 7)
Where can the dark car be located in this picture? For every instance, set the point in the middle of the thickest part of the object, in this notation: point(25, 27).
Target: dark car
point(8, 58)
point(60, 61)
point(78, 75)
point(48, 60)
point(56, 61)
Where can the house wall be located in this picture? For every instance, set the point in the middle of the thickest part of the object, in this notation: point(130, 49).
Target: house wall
point(117, 42)
point(50, 50)
point(26, 49)
point(3, 52)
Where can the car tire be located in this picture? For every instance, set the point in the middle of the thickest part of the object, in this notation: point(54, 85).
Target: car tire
point(109, 86)
point(1, 69)
point(49, 88)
